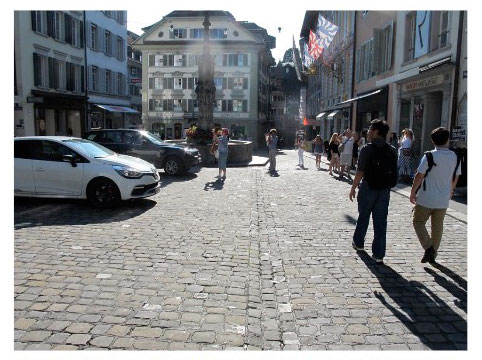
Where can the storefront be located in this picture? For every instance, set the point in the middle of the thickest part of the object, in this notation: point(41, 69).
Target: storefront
point(424, 103)
point(111, 116)
point(370, 106)
point(54, 114)
point(336, 120)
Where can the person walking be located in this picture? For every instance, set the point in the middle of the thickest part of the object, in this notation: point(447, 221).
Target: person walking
point(334, 154)
point(438, 171)
point(405, 155)
point(346, 153)
point(300, 145)
point(222, 141)
point(376, 174)
point(272, 140)
point(318, 145)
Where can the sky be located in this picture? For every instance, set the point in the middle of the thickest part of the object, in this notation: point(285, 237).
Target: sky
point(270, 19)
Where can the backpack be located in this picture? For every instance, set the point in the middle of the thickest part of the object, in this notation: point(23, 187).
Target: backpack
point(431, 164)
point(461, 153)
point(341, 147)
point(381, 170)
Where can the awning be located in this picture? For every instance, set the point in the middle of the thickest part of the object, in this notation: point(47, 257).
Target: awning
point(360, 97)
point(320, 115)
point(115, 108)
point(332, 115)
point(309, 122)
point(412, 72)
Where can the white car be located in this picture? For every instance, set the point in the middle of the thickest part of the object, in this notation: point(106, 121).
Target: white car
point(66, 167)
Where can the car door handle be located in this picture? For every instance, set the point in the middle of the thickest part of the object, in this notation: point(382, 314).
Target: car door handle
point(39, 169)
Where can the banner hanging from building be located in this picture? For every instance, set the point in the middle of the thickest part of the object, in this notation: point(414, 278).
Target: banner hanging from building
point(422, 33)
point(325, 31)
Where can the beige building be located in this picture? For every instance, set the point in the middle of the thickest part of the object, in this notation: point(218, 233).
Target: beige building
point(170, 53)
point(49, 70)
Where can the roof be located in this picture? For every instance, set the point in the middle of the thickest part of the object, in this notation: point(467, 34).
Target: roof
point(191, 13)
point(259, 32)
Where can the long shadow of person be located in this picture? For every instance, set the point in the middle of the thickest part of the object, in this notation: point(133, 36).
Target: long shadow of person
point(214, 185)
point(457, 278)
point(426, 315)
point(452, 288)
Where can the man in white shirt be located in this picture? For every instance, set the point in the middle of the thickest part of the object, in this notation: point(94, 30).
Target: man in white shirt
point(347, 155)
point(432, 199)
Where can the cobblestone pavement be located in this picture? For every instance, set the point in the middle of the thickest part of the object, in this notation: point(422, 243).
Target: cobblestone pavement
point(256, 262)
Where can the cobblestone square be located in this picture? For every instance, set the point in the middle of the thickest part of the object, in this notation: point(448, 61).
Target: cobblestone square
point(256, 262)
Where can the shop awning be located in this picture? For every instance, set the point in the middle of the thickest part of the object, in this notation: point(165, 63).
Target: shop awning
point(309, 122)
point(332, 115)
point(360, 97)
point(412, 72)
point(320, 115)
point(115, 108)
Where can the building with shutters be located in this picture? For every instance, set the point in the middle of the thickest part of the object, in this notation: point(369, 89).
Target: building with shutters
point(49, 67)
point(106, 54)
point(170, 54)
point(329, 81)
point(134, 79)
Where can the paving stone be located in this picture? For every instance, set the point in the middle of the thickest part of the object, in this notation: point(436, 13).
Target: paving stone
point(65, 347)
point(79, 328)
point(150, 345)
point(78, 339)
point(204, 337)
point(36, 347)
point(230, 339)
point(58, 338)
point(123, 343)
point(146, 332)
point(36, 336)
point(102, 341)
point(24, 324)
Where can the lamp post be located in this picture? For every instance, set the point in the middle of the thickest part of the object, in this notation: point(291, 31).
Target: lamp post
point(205, 89)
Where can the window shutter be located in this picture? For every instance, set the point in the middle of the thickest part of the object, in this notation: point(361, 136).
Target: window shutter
point(184, 83)
point(225, 83)
point(377, 60)
point(164, 83)
point(171, 60)
point(245, 105)
point(164, 60)
point(164, 105)
point(434, 29)
point(89, 77)
point(225, 59)
point(50, 23)
point(100, 39)
point(224, 105)
point(68, 28)
point(235, 60)
point(191, 33)
point(88, 34)
point(36, 70)
point(67, 76)
point(151, 104)
point(357, 65)
point(102, 86)
point(230, 105)
point(230, 83)
point(151, 83)
point(82, 85)
point(81, 30)
point(184, 60)
point(389, 49)
point(151, 60)
point(190, 83)
point(33, 15)
point(245, 83)
point(51, 73)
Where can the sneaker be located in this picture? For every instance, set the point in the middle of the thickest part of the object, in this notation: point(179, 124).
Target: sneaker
point(377, 259)
point(357, 248)
point(429, 255)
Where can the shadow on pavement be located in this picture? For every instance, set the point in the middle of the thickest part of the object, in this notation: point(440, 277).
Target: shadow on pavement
point(457, 278)
point(52, 212)
point(426, 315)
point(343, 179)
point(350, 219)
point(168, 179)
point(452, 288)
point(215, 185)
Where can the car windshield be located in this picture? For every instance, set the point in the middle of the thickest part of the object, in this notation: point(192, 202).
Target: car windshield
point(152, 137)
point(89, 148)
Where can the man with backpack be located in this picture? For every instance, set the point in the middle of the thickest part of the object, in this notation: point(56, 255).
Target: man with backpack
point(432, 189)
point(376, 174)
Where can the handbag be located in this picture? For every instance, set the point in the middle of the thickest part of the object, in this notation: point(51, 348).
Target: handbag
point(341, 147)
point(216, 154)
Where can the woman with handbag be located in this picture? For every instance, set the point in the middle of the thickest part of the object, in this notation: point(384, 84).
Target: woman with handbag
point(405, 155)
point(222, 142)
point(300, 144)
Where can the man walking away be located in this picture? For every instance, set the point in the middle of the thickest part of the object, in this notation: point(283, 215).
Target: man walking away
point(272, 146)
point(347, 154)
point(438, 173)
point(377, 172)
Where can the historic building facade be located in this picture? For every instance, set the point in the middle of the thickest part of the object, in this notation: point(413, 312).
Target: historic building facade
point(134, 78)
point(170, 54)
point(49, 66)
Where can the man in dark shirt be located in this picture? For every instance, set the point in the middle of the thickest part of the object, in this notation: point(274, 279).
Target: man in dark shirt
point(373, 201)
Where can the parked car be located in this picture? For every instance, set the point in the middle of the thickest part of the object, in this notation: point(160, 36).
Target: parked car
point(174, 159)
point(65, 167)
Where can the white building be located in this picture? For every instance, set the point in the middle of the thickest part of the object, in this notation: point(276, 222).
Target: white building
point(106, 42)
point(170, 53)
point(49, 71)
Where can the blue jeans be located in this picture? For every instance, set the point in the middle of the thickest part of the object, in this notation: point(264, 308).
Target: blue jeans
point(374, 203)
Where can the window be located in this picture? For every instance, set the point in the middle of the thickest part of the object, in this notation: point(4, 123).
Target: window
point(158, 83)
point(177, 83)
point(218, 58)
point(108, 42)
point(197, 33)
point(158, 60)
point(444, 29)
point(179, 60)
point(120, 48)
point(58, 25)
point(134, 71)
point(93, 37)
point(217, 34)
point(120, 84)
point(168, 105)
point(235, 60)
point(59, 68)
point(240, 83)
point(178, 34)
point(108, 81)
point(218, 82)
point(155, 105)
point(94, 78)
point(383, 40)
point(439, 29)
point(193, 59)
point(75, 32)
point(37, 21)
point(410, 24)
point(41, 70)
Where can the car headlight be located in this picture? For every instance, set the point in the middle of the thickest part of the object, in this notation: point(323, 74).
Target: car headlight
point(127, 172)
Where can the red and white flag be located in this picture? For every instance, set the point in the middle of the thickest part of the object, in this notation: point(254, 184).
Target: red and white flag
point(314, 46)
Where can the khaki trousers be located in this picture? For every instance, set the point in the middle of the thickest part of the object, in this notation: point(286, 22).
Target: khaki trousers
point(272, 159)
point(420, 218)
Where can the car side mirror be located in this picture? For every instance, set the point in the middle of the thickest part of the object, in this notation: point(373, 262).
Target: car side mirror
point(70, 159)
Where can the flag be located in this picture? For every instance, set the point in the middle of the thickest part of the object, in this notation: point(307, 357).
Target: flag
point(325, 32)
point(307, 58)
point(314, 46)
point(296, 60)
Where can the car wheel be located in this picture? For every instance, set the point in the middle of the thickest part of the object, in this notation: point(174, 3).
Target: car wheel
point(103, 193)
point(173, 166)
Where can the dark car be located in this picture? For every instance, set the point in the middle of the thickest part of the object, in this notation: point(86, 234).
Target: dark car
point(174, 159)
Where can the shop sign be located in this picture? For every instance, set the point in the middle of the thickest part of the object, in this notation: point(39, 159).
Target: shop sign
point(420, 84)
point(136, 81)
point(458, 134)
point(35, 99)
